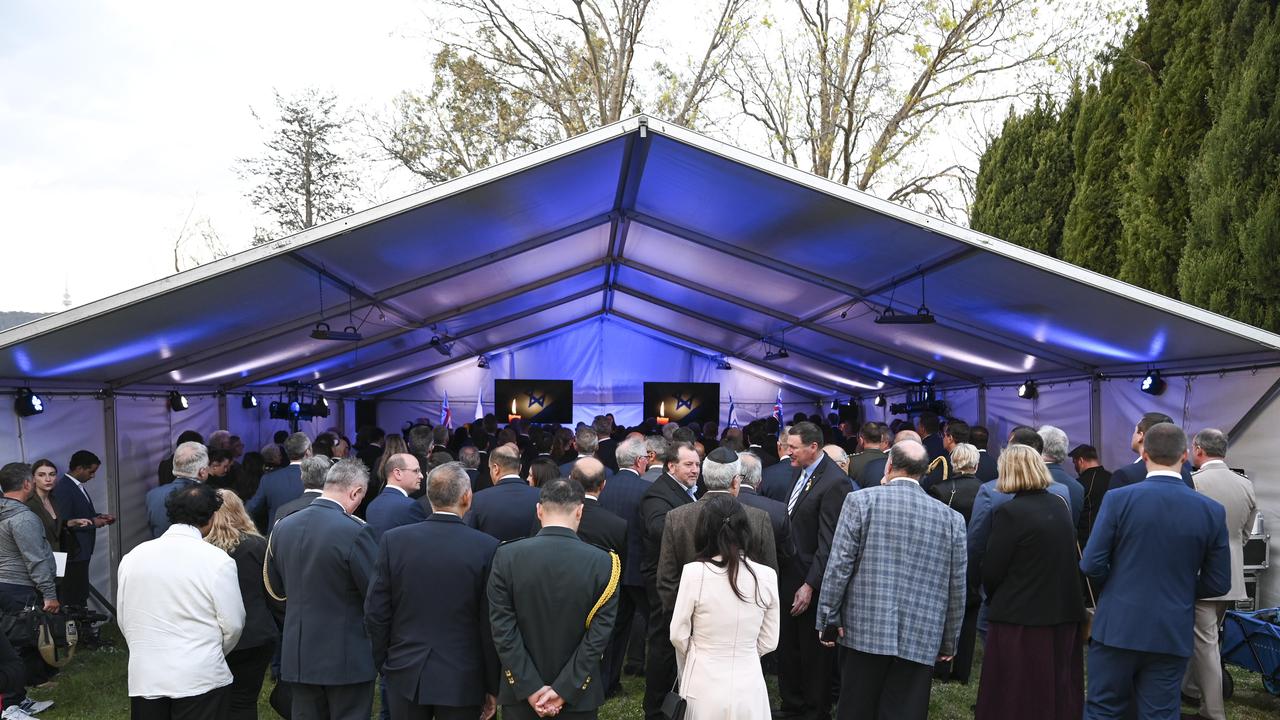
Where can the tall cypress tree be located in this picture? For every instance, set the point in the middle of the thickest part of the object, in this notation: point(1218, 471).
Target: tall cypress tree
point(1232, 260)
point(1025, 178)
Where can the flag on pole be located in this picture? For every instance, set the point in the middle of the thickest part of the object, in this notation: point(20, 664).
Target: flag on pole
point(733, 413)
point(480, 405)
point(777, 411)
point(446, 416)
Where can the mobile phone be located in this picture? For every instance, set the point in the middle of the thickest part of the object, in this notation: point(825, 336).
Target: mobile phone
point(830, 633)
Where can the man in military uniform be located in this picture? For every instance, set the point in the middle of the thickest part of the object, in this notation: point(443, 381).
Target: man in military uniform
point(552, 603)
point(319, 561)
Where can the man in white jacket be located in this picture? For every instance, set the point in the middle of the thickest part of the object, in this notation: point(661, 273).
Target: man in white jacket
point(181, 612)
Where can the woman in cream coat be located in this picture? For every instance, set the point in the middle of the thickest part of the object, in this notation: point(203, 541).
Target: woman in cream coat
point(725, 618)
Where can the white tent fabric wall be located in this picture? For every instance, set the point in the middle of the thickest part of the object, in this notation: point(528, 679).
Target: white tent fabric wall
point(1254, 449)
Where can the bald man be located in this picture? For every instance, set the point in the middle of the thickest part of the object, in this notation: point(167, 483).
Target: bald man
point(393, 507)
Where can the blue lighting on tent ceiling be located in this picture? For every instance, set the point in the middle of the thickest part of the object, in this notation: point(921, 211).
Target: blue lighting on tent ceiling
point(156, 347)
point(1041, 331)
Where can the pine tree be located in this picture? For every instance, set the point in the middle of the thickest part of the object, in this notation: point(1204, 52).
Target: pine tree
point(1232, 259)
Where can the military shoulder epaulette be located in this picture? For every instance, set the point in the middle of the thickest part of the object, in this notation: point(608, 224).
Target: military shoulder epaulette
point(357, 518)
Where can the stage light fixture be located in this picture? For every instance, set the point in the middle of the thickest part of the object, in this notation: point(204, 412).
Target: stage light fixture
point(779, 354)
point(320, 408)
point(1028, 390)
point(880, 400)
point(441, 346)
point(249, 401)
point(922, 316)
point(482, 362)
point(1153, 384)
point(835, 404)
point(28, 403)
point(178, 401)
point(723, 364)
point(348, 334)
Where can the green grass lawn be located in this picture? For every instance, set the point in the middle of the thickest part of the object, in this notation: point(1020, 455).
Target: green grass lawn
point(93, 687)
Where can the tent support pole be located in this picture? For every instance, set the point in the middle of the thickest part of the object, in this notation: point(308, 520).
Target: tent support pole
point(1095, 413)
point(982, 405)
point(1254, 412)
point(111, 448)
point(342, 416)
point(222, 411)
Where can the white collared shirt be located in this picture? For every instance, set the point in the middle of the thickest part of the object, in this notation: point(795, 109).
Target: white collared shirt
point(80, 485)
point(397, 487)
point(1164, 473)
point(180, 610)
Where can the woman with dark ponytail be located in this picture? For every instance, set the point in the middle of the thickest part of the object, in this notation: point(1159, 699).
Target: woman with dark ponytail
point(725, 618)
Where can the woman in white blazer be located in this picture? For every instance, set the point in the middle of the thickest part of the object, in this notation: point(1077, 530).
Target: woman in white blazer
point(725, 618)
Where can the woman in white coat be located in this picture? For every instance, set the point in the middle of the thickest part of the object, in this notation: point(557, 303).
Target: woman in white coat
point(725, 618)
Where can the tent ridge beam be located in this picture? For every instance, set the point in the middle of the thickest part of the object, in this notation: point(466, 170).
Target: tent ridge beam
point(428, 322)
point(746, 333)
point(799, 322)
point(936, 264)
point(468, 333)
point(822, 281)
point(307, 320)
point(633, 161)
point(350, 285)
point(547, 332)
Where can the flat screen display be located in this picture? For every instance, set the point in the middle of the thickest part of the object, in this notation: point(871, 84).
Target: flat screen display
point(682, 402)
point(539, 401)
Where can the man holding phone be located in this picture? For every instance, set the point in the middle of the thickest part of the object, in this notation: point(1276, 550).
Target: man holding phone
point(72, 502)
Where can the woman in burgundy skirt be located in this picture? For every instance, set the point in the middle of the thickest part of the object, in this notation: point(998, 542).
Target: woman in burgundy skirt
point(1033, 666)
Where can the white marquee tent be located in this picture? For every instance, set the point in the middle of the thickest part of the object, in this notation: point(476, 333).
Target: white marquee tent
point(639, 251)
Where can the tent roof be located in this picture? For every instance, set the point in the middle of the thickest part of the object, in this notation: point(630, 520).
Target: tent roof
point(680, 236)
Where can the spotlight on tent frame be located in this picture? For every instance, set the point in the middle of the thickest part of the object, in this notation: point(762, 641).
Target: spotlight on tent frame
point(482, 362)
point(723, 364)
point(320, 408)
point(1028, 390)
point(779, 354)
point(1153, 384)
point(249, 401)
point(178, 401)
point(880, 400)
point(348, 334)
point(27, 403)
point(441, 346)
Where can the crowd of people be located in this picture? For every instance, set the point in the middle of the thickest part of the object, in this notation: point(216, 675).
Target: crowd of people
point(455, 571)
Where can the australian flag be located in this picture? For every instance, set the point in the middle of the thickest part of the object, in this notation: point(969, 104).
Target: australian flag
point(446, 415)
point(777, 411)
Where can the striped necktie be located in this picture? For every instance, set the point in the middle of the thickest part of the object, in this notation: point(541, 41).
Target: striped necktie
point(795, 492)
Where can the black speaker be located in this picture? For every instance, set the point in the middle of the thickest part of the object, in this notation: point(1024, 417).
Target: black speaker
point(366, 413)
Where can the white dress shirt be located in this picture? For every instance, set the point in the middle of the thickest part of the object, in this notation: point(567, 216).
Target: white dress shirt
point(180, 611)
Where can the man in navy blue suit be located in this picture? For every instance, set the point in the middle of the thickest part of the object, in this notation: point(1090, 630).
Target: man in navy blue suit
point(283, 485)
point(587, 441)
point(73, 503)
point(1137, 470)
point(507, 510)
point(393, 507)
point(432, 640)
point(1159, 546)
point(621, 496)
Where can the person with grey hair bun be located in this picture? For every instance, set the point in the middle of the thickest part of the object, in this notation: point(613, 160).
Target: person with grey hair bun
point(190, 466)
point(1055, 454)
point(408, 609)
point(324, 554)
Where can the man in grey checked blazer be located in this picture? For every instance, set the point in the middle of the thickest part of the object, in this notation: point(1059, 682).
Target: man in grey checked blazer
point(894, 585)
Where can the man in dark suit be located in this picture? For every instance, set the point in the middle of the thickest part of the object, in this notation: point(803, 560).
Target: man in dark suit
point(393, 507)
point(872, 445)
point(431, 639)
point(280, 486)
point(313, 470)
point(778, 518)
point(980, 437)
point(477, 472)
point(778, 478)
point(929, 426)
point(622, 497)
point(1055, 454)
point(552, 602)
point(607, 447)
point(507, 510)
point(673, 488)
point(1096, 480)
point(956, 432)
point(1159, 546)
point(323, 557)
point(814, 503)
point(73, 503)
point(587, 442)
point(720, 477)
point(1137, 470)
point(370, 450)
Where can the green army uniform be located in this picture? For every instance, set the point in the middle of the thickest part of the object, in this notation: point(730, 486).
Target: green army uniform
point(552, 604)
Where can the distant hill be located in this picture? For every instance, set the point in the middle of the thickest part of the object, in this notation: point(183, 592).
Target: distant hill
point(13, 318)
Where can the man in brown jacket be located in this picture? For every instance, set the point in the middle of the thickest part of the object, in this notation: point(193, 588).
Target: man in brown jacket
point(720, 472)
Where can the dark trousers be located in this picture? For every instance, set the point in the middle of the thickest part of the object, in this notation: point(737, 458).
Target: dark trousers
point(660, 669)
point(248, 669)
point(959, 668)
point(524, 712)
point(13, 599)
point(638, 632)
point(615, 654)
point(805, 667)
point(75, 584)
point(208, 706)
point(403, 708)
point(883, 687)
point(332, 702)
point(1122, 681)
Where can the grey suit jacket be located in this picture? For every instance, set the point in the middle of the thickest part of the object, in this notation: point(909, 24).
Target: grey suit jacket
point(678, 547)
point(1235, 492)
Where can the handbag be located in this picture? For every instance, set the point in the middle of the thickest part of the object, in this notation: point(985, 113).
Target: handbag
point(674, 706)
point(1086, 627)
point(22, 628)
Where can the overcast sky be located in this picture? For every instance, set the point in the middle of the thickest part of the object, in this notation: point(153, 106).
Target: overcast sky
point(121, 120)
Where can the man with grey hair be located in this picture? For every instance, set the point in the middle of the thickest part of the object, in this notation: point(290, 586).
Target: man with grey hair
point(314, 469)
point(749, 475)
point(778, 478)
point(1055, 454)
point(657, 447)
point(587, 441)
point(622, 498)
point(325, 555)
point(190, 466)
point(469, 457)
point(1214, 479)
point(507, 510)
point(283, 485)
point(415, 622)
point(720, 476)
point(891, 537)
point(219, 440)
